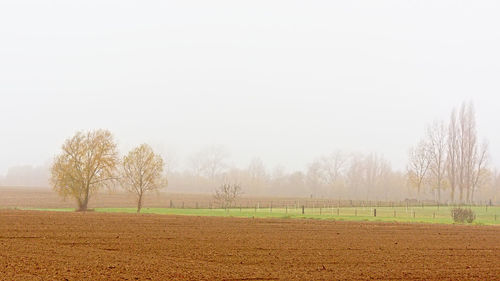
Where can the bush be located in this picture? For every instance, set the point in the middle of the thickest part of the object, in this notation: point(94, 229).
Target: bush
point(226, 194)
point(462, 215)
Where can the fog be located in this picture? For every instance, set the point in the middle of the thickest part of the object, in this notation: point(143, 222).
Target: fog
point(286, 82)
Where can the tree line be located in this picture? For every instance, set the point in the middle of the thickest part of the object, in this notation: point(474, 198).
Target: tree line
point(335, 175)
point(451, 158)
point(448, 165)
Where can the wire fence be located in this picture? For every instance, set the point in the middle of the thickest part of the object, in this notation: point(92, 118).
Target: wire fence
point(408, 209)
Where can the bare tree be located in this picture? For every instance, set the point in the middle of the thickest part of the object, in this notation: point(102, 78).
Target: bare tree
point(257, 174)
point(418, 165)
point(368, 175)
point(226, 194)
point(209, 162)
point(314, 178)
point(142, 172)
point(453, 152)
point(295, 181)
point(471, 157)
point(495, 184)
point(278, 179)
point(377, 170)
point(332, 168)
point(355, 175)
point(468, 149)
point(480, 171)
point(437, 142)
point(466, 160)
point(87, 163)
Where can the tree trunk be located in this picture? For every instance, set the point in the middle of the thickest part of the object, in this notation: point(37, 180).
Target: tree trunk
point(461, 193)
point(439, 193)
point(467, 195)
point(139, 203)
point(82, 204)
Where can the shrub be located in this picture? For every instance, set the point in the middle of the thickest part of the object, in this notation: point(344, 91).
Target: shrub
point(462, 215)
point(226, 194)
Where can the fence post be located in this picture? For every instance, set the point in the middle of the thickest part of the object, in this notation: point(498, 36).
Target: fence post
point(302, 209)
point(171, 204)
point(374, 212)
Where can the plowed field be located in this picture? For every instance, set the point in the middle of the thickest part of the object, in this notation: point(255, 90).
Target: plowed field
point(96, 246)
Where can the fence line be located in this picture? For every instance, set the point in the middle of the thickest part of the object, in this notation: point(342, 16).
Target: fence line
point(317, 203)
point(343, 208)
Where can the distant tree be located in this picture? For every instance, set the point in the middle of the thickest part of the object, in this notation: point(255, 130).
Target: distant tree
point(314, 178)
point(495, 184)
point(453, 155)
point(377, 171)
point(418, 165)
point(296, 182)
point(88, 163)
point(369, 176)
point(209, 162)
point(333, 166)
point(466, 158)
point(437, 147)
point(355, 175)
point(226, 194)
point(257, 175)
point(332, 169)
point(480, 172)
point(27, 175)
point(142, 172)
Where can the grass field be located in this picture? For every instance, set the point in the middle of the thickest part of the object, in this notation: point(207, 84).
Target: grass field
point(259, 207)
point(427, 214)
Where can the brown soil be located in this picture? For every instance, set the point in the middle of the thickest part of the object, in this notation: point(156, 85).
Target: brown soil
point(96, 246)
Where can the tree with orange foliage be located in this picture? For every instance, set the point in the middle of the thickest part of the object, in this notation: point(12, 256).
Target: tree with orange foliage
point(88, 163)
point(142, 172)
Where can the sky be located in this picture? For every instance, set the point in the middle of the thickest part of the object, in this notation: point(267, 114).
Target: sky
point(286, 81)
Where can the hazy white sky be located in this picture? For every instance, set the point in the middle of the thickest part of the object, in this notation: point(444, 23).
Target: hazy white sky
point(283, 80)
